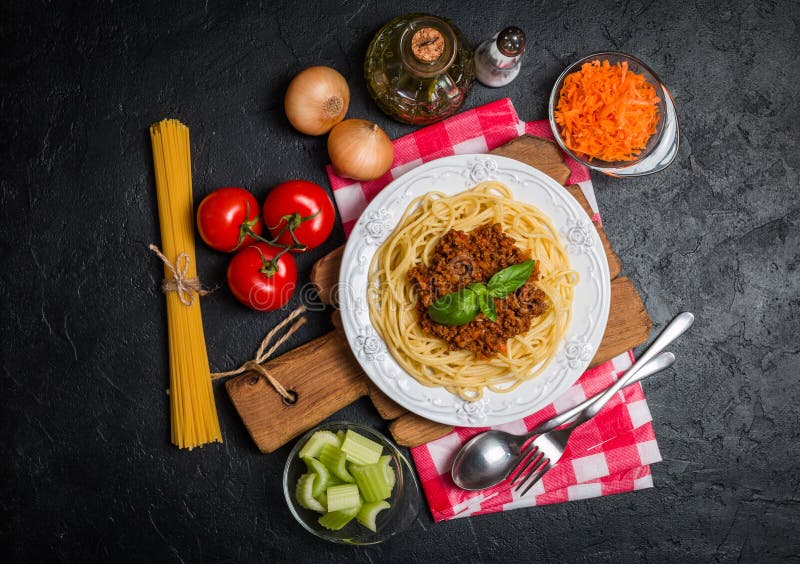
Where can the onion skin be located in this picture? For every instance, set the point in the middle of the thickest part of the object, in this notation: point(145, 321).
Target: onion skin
point(316, 100)
point(360, 150)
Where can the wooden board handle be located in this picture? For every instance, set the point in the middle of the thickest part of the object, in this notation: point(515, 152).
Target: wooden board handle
point(325, 276)
point(411, 430)
point(324, 375)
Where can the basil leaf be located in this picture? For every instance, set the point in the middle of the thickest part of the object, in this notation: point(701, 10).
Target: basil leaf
point(479, 288)
point(455, 308)
point(510, 278)
point(486, 303)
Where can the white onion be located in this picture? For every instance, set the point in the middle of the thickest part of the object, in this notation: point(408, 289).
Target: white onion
point(316, 100)
point(360, 150)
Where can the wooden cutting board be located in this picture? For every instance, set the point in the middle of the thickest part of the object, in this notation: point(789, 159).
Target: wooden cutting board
point(326, 376)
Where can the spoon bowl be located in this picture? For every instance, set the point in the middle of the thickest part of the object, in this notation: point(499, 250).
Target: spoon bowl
point(487, 459)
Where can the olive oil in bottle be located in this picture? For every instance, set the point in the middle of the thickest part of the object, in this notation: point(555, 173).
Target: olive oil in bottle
point(419, 68)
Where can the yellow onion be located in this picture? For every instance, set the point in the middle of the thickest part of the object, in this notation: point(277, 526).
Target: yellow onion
point(316, 100)
point(360, 150)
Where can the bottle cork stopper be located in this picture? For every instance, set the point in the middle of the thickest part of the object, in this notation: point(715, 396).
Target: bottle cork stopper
point(427, 44)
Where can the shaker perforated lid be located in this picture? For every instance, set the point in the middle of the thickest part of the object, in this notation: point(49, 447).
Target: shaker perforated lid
point(511, 41)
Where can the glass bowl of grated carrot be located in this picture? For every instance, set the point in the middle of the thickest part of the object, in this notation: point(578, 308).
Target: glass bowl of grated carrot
point(611, 112)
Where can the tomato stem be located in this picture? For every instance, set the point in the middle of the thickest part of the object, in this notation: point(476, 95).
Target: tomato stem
point(245, 229)
point(293, 221)
point(269, 267)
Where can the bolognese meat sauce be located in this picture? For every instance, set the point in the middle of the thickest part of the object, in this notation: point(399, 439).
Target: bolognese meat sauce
point(461, 258)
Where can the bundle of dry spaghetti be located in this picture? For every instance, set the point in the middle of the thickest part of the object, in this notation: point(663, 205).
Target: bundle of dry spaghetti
point(193, 412)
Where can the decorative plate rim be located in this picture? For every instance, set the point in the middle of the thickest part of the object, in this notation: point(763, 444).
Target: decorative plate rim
point(451, 175)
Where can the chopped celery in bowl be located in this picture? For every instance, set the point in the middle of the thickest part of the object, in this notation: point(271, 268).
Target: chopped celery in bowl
point(347, 483)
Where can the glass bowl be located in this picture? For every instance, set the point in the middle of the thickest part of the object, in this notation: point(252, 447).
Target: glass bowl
point(405, 500)
point(662, 147)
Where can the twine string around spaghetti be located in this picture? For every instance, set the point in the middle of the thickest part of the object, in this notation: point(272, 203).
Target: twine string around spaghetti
point(180, 282)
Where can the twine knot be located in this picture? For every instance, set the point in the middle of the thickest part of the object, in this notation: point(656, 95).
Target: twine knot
point(180, 281)
point(265, 351)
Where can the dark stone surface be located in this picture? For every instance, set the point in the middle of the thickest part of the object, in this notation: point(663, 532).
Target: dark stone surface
point(88, 473)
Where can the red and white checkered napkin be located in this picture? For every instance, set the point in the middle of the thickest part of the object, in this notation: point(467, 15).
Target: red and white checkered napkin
point(611, 453)
point(608, 454)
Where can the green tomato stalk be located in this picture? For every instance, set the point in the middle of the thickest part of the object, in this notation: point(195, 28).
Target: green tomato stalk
point(293, 221)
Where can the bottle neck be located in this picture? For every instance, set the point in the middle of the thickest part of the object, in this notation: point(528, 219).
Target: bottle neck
point(427, 46)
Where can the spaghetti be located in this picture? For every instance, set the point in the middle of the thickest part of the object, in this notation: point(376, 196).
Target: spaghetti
point(392, 296)
point(193, 412)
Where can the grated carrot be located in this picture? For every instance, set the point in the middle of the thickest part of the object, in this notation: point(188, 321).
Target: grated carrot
point(606, 111)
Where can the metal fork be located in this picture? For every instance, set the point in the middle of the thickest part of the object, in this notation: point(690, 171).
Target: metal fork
point(546, 450)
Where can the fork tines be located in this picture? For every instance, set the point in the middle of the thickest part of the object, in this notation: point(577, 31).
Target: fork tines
point(535, 475)
point(522, 471)
point(533, 464)
point(524, 460)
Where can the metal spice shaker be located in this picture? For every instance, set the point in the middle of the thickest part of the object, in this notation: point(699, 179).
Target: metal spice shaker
point(497, 60)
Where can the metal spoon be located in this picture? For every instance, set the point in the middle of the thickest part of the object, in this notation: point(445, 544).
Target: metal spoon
point(489, 457)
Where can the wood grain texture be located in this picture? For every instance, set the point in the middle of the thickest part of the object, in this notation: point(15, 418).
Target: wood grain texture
point(411, 430)
point(628, 325)
point(324, 375)
point(387, 408)
point(614, 264)
point(541, 154)
point(325, 276)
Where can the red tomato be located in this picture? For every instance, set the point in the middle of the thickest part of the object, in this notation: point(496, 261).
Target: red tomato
point(225, 215)
point(307, 208)
point(253, 283)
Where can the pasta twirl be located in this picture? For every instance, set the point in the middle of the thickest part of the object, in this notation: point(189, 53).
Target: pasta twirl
point(193, 412)
point(392, 296)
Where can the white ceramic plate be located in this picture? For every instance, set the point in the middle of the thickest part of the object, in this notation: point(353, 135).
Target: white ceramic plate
point(452, 175)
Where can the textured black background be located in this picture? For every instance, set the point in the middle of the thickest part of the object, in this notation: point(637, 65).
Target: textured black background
point(88, 473)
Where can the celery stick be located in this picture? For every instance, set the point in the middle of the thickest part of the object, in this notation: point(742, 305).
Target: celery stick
point(335, 520)
point(342, 497)
point(302, 492)
point(372, 481)
point(333, 480)
point(315, 442)
point(334, 459)
point(369, 512)
point(323, 476)
point(340, 436)
point(360, 449)
point(391, 478)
